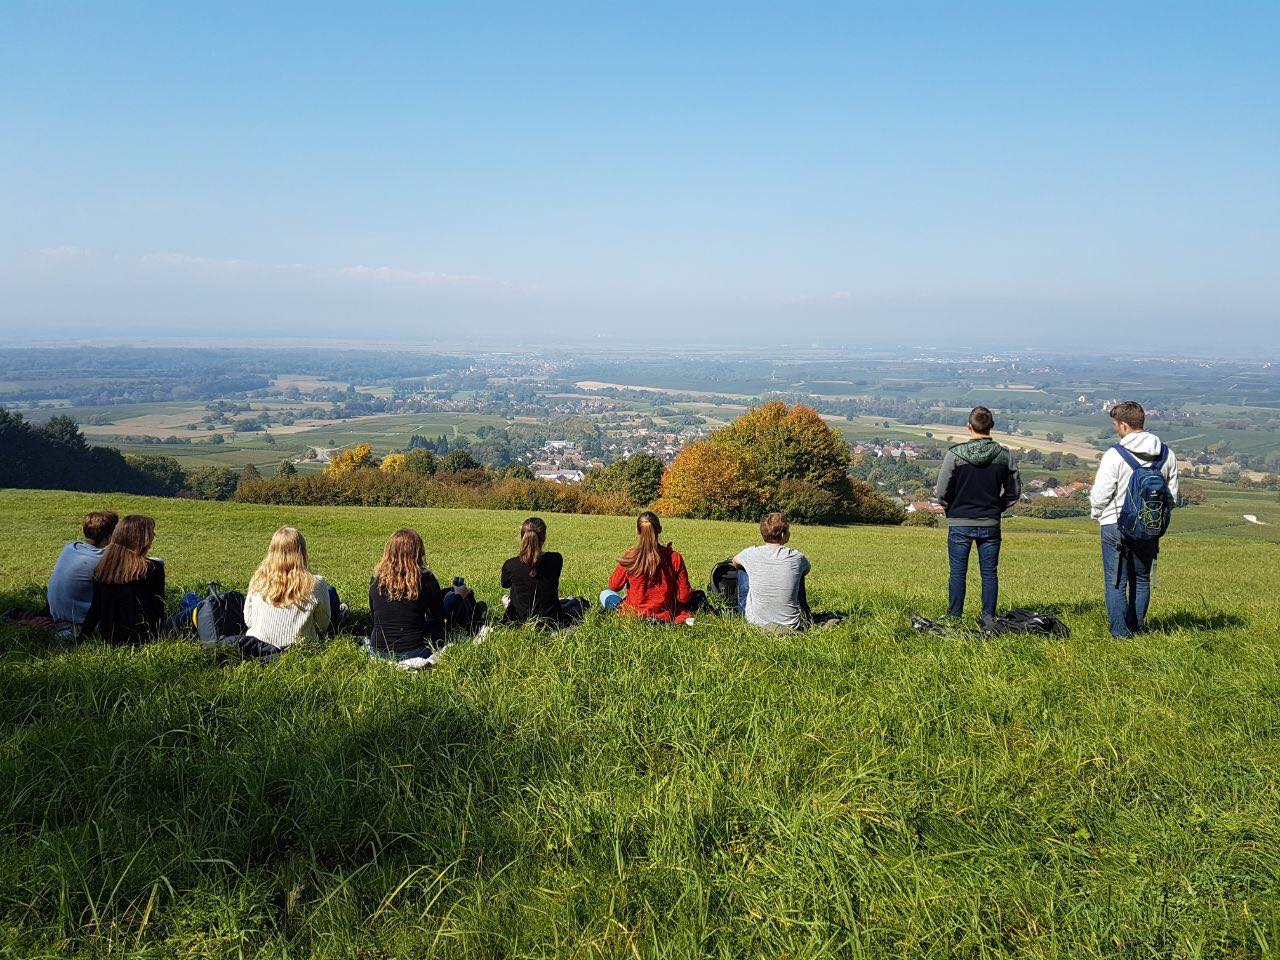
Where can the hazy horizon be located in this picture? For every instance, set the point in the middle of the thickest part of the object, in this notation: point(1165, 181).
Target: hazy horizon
point(993, 177)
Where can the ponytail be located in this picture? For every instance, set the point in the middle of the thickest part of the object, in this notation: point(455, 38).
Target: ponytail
point(644, 559)
point(533, 534)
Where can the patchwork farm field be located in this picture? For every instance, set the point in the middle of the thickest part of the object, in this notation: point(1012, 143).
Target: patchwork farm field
point(638, 791)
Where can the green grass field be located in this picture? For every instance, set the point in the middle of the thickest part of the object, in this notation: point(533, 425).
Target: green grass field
point(639, 791)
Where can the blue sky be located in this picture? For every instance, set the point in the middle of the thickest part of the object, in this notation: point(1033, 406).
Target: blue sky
point(1033, 172)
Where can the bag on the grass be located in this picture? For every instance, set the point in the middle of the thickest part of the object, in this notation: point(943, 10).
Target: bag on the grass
point(1020, 620)
point(724, 582)
point(464, 614)
point(219, 614)
point(573, 610)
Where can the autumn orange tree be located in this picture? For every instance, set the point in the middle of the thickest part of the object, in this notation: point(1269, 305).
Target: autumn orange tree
point(774, 457)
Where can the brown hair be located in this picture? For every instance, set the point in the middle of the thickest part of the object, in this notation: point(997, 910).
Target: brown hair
point(645, 557)
point(533, 534)
point(399, 572)
point(981, 420)
point(775, 529)
point(99, 525)
point(1130, 413)
point(284, 577)
point(125, 558)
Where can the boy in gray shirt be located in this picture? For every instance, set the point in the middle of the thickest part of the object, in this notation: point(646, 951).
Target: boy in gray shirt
point(71, 583)
point(773, 577)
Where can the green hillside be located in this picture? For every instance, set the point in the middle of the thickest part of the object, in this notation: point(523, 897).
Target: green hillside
point(640, 791)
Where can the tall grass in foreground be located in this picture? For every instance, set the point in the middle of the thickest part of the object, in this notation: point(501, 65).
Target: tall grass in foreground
point(630, 790)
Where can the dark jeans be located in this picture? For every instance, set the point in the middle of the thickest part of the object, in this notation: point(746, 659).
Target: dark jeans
point(252, 647)
point(959, 540)
point(1127, 567)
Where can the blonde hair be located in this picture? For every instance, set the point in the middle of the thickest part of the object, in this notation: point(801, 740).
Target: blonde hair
point(644, 559)
point(399, 572)
point(124, 559)
point(283, 578)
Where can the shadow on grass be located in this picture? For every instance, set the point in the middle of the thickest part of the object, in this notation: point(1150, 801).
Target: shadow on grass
point(302, 789)
point(1194, 620)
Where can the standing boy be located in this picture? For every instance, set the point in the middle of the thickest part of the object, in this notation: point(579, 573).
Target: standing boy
point(977, 483)
point(1128, 551)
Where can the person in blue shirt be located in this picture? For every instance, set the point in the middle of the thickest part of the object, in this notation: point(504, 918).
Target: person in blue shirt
point(71, 583)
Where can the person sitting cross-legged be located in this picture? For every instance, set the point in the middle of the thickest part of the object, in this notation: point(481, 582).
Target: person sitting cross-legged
point(407, 604)
point(533, 578)
point(71, 582)
point(654, 578)
point(772, 578)
point(285, 602)
point(128, 586)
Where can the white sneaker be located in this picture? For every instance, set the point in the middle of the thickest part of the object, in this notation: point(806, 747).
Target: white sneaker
point(483, 632)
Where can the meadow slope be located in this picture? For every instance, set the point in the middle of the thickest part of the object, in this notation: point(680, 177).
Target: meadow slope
point(639, 791)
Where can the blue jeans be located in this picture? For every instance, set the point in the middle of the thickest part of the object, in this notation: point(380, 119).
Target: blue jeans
point(1127, 568)
point(959, 540)
point(610, 600)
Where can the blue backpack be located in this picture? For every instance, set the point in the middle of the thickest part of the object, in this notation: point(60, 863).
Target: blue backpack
point(1147, 506)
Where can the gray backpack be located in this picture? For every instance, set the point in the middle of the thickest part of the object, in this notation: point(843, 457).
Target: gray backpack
point(220, 614)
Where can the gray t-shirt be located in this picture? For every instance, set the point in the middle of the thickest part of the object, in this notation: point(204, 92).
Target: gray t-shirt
point(774, 576)
point(71, 583)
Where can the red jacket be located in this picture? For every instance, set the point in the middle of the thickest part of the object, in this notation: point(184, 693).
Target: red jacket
point(664, 597)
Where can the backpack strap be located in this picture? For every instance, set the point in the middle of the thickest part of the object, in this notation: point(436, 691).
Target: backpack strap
point(1164, 455)
point(1127, 457)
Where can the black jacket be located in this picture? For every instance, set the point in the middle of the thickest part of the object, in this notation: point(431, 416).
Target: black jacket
point(406, 626)
point(977, 483)
point(127, 613)
point(535, 594)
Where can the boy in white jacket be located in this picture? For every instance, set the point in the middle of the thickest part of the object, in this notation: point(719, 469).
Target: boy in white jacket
point(1128, 589)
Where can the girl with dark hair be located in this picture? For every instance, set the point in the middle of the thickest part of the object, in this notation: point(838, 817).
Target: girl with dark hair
point(533, 579)
point(128, 586)
point(654, 577)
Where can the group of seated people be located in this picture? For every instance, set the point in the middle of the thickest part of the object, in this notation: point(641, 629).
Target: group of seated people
point(109, 586)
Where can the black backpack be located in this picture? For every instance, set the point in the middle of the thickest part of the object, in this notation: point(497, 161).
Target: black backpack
point(466, 616)
point(1019, 620)
point(724, 583)
point(220, 614)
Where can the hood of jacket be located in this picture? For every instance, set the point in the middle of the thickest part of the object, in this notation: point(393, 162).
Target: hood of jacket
point(1143, 445)
point(980, 451)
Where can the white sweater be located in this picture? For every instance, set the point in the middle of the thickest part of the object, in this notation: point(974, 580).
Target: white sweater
point(281, 626)
point(1111, 485)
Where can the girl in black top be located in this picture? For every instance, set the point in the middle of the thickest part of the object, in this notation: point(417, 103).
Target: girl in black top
point(405, 600)
point(128, 586)
point(533, 577)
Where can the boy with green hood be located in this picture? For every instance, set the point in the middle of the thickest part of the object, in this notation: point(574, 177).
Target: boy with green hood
point(977, 483)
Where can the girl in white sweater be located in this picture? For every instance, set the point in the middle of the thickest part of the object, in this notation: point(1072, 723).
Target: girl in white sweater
point(286, 601)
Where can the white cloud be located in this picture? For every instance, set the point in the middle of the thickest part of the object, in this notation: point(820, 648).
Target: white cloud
point(66, 251)
point(172, 259)
point(430, 278)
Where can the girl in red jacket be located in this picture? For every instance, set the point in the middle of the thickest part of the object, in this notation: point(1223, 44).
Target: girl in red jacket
point(655, 579)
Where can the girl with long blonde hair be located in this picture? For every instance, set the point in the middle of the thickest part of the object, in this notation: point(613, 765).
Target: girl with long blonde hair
point(128, 586)
point(286, 602)
point(654, 577)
